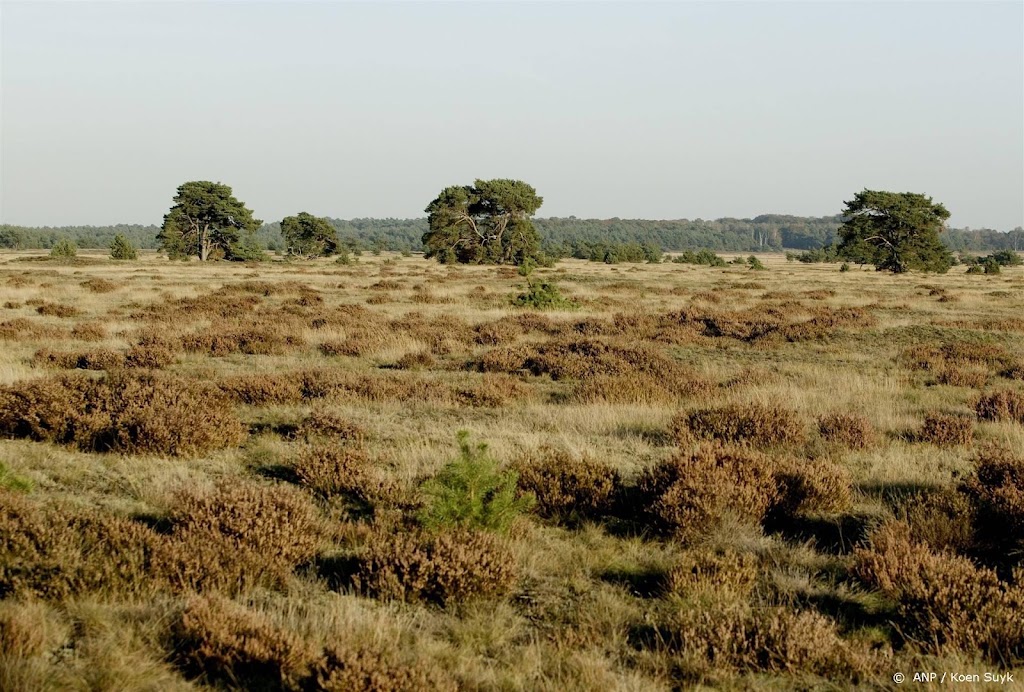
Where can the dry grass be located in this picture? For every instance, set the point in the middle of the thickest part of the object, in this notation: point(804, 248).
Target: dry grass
point(708, 454)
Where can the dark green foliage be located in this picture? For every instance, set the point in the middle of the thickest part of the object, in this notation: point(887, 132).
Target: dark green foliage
point(306, 235)
point(205, 218)
point(484, 223)
point(705, 257)
point(990, 266)
point(542, 295)
point(470, 492)
point(64, 249)
point(122, 249)
point(247, 249)
point(896, 232)
point(755, 263)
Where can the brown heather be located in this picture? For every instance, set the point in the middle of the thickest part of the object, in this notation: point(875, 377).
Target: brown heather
point(57, 310)
point(321, 424)
point(946, 429)
point(220, 640)
point(123, 412)
point(754, 424)
point(88, 331)
point(568, 487)
point(847, 429)
point(996, 489)
point(693, 491)
point(944, 601)
point(371, 670)
point(444, 568)
point(277, 522)
point(1007, 404)
point(812, 487)
point(331, 471)
point(261, 390)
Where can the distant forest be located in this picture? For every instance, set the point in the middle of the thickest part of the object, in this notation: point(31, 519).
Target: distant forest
point(562, 237)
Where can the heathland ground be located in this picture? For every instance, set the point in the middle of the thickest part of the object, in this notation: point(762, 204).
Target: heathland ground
point(213, 475)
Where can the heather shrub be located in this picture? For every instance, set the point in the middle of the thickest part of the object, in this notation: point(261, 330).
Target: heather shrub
point(943, 519)
point(472, 493)
point(691, 492)
point(333, 471)
point(811, 487)
point(71, 360)
point(328, 425)
point(261, 390)
point(960, 376)
point(440, 568)
point(278, 522)
point(99, 285)
point(416, 360)
point(568, 487)
point(88, 331)
point(753, 424)
point(946, 429)
point(343, 669)
point(848, 429)
point(492, 390)
point(1007, 404)
point(150, 357)
point(996, 490)
point(944, 602)
point(54, 553)
point(57, 310)
point(217, 639)
point(769, 640)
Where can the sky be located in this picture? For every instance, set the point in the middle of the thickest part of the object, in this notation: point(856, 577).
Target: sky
point(663, 110)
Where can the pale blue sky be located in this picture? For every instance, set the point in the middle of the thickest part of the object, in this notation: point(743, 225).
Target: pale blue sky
point(635, 110)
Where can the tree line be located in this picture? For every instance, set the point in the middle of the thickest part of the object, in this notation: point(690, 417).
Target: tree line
point(560, 237)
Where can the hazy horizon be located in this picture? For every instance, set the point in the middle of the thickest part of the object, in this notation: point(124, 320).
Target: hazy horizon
point(628, 110)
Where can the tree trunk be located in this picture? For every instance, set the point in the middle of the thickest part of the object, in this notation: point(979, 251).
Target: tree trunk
point(204, 243)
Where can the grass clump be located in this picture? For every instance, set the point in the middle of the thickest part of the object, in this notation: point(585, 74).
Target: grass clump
point(472, 493)
point(12, 481)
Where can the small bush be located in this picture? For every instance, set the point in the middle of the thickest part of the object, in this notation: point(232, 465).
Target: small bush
point(261, 390)
point(333, 471)
point(370, 670)
point(99, 285)
point(320, 424)
point(88, 331)
point(416, 360)
point(1007, 404)
point(435, 568)
point(472, 493)
point(221, 640)
point(755, 263)
point(57, 310)
point(692, 492)
point(122, 249)
point(945, 602)
point(848, 429)
point(567, 487)
point(812, 487)
point(64, 248)
point(996, 490)
point(753, 424)
point(544, 295)
point(127, 413)
point(946, 430)
point(279, 522)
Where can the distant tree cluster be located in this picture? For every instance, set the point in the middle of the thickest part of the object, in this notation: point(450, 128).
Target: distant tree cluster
point(609, 253)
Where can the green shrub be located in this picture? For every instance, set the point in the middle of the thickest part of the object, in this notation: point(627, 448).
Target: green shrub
point(12, 481)
point(64, 248)
point(755, 263)
point(470, 492)
point(122, 249)
point(991, 266)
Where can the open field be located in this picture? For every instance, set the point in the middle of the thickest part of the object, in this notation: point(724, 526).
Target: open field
point(791, 478)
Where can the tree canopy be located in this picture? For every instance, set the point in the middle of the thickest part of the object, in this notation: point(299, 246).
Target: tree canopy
point(206, 220)
point(484, 223)
point(306, 235)
point(895, 231)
